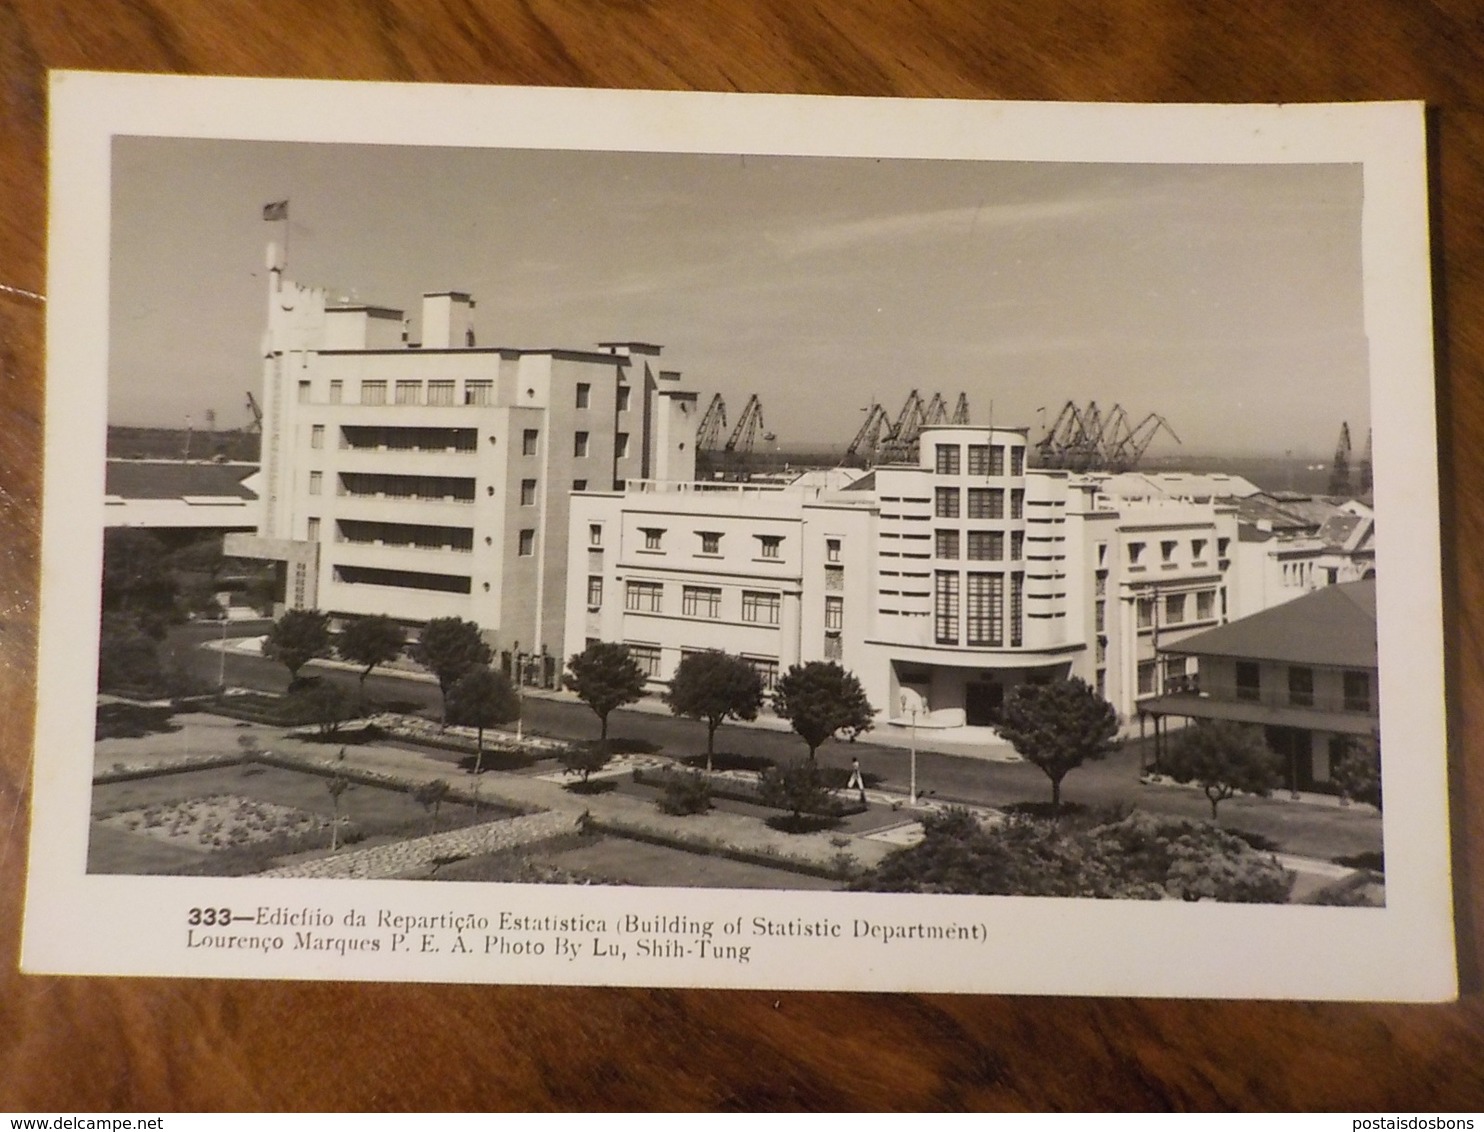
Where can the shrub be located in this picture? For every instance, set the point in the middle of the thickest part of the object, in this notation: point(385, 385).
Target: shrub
point(685, 794)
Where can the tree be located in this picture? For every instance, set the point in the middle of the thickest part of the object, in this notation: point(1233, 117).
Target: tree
point(482, 698)
point(296, 638)
point(798, 787)
point(605, 677)
point(1222, 757)
point(337, 785)
point(584, 758)
point(448, 647)
point(713, 686)
point(430, 796)
point(1058, 727)
point(822, 699)
point(137, 578)
point(370, 641)
point(1358, 773)
point(323, 703)
point(128, 655)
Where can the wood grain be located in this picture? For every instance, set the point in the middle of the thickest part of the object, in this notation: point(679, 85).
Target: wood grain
point(97, 1044)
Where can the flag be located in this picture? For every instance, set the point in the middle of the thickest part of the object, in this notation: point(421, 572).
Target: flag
point(278, 210)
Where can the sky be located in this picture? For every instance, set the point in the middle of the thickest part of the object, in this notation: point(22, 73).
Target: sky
point(1228, 299)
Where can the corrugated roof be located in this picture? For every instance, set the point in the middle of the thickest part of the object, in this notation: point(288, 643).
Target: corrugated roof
point(150, 479)
point(1334, 626)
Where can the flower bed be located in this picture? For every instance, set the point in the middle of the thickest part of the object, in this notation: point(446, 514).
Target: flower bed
point(739, 787)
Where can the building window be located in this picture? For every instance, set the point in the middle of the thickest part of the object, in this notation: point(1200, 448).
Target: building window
point(947, 460)
point(643, 597)
point(1017, 610)
point(1148, 675)
point(312, 529)
point(528, 440)
point(1249, 680)
point(986, 503)
point(834, 613)
point(440, 393)
point(984, 610)
point(1017, 545)
point(1017, 503)
point(652, 537)
point(771, 545)
point(647, 657)
point(623, 398)
point(579, 445)
point(1205, 605)
point(1145, 606)
point(1222, 546)
point(579, 485)
point(1174, 609)
point(303, 392)
point(595, 534)
point(1100, 583)
point(710, 542)
point(1167, 551)
point(761, 608)
point(700, 601)
point(595, 591)
point(1301, 687)
point(1135, 552)
point(527, 493)
point(527, 543)
point(584, 394)
point(766, 669)
point(832, 550)
point(1357, 691)
point(1197, 549)
point(986, 546)
point(621, 445)
point(1100, 616)
point(1017, 461)
point(337, 392)
point(945, 607)
point(947, 544)
point(373, 393)
point(477, 392)
point(316, 482)
point(317, 436)
point(945, 502)
point(408, 392)
point(997, 460)
point(979, 459)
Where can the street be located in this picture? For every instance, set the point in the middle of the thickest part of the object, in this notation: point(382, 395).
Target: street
point(1323, 830)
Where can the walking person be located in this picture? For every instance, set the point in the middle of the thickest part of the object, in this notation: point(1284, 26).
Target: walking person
point(856, 781)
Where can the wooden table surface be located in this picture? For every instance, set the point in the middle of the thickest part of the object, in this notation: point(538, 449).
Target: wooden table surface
point(107, 1044)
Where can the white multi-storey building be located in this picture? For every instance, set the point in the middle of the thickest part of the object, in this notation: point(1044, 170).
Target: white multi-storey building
point(432, 479)
point(941, 585)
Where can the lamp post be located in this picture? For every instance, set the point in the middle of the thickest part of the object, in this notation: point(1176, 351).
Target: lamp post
point(909, 705)
point(221, 672)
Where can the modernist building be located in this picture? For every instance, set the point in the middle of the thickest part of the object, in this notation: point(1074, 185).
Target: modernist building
point(432, 479)
point(1305, 670)
point(941, 585)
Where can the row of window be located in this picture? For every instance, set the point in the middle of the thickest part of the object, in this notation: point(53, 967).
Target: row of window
point(441, 392)
point(984, 502)
point(981, 620)
point(982, 546)
point(769, 546)
point(357, 438)
point(1174, 609)
point(1356, 693)
point(1199, 548)
point(758, 606)
point(647, 657)
point(984, 460)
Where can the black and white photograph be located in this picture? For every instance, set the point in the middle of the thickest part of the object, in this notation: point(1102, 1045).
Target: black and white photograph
point(870, 562)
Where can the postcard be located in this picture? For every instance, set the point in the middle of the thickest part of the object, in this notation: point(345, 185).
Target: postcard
point(507, 535)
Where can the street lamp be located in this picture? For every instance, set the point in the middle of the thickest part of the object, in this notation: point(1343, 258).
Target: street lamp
point(221, 674)
point(909, 705)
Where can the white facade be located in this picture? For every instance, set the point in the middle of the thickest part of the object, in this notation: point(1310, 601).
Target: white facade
point(940, 585)
point(433, 480)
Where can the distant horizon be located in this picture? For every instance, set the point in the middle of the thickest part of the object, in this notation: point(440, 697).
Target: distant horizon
point(1225, 297)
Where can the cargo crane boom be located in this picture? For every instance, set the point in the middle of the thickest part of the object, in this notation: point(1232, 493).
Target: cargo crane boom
point(713, 424)
point(749, 425)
